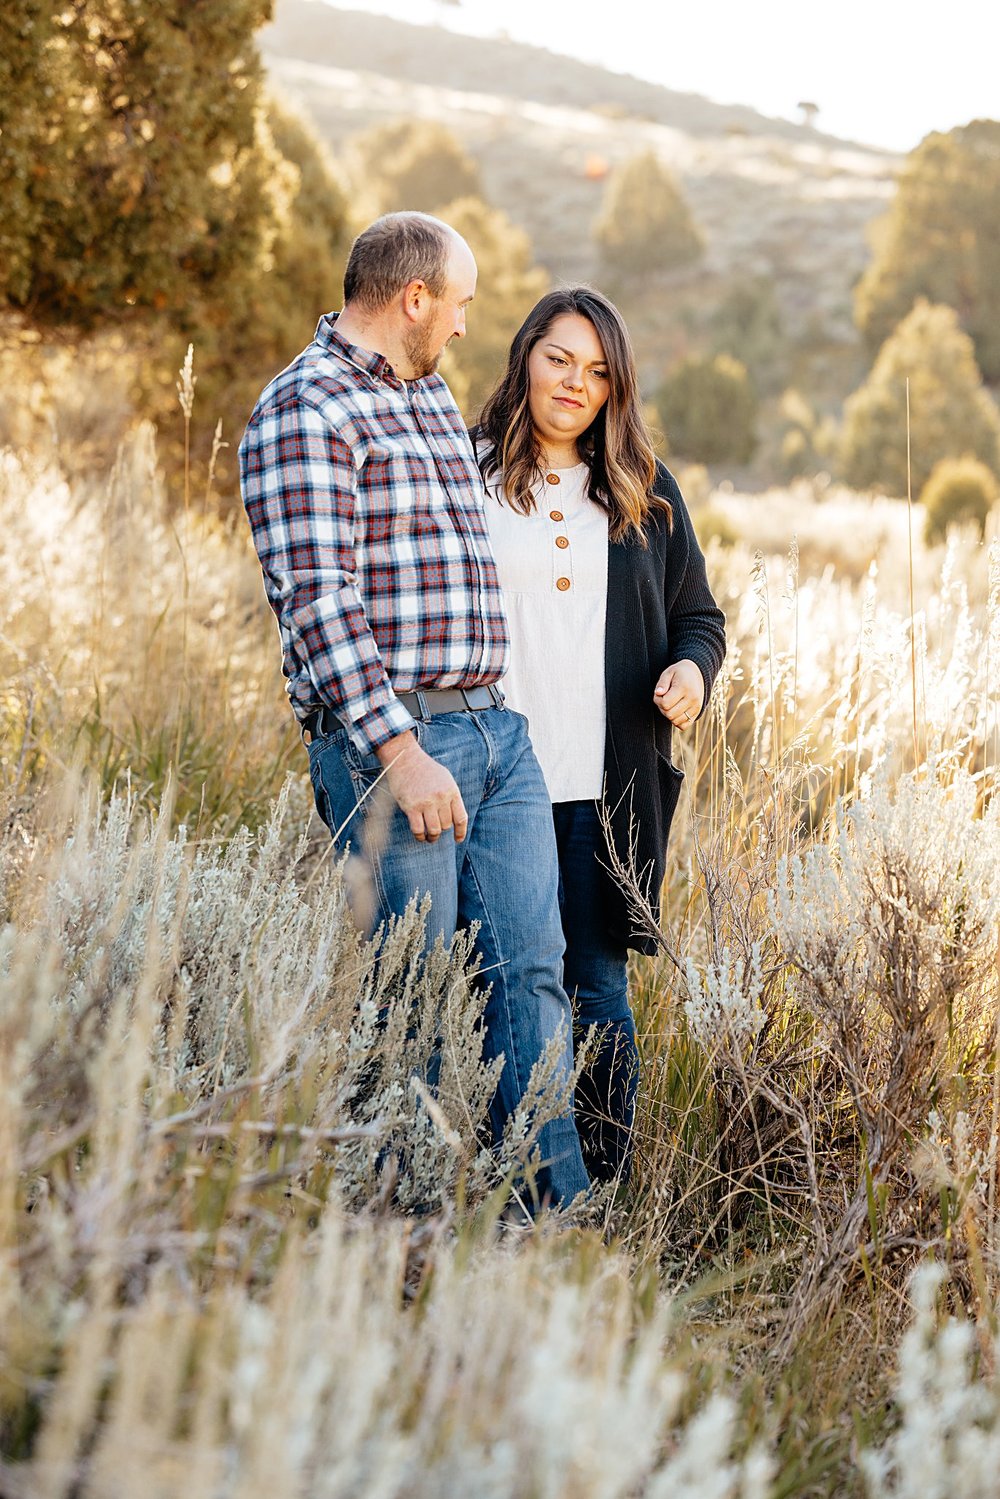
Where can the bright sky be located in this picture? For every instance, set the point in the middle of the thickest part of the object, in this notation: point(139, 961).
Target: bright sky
point(882, 71)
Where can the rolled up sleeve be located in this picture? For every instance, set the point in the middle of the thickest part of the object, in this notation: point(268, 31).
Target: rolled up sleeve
point(299, 481)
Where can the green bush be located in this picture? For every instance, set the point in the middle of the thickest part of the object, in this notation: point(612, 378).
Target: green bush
point(645, 226)
point(959, 491)
point(272, 313)
point(939, 240)
point(134, 175)
point(950, 411)
point(509, 284)
point(708, 409)
point(747, 324)
point(154, 198)
point(416, 164)
point(807, 441)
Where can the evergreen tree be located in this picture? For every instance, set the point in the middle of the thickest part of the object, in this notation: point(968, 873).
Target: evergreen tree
point(31, 161)
point(940, 240)
point(133, 171)
point(509, 285)
point(747, 324)
point(708, 410)
point(147, 182)
point(272, 309)
point(416, 164)
point(645, 226)
point(951, 414)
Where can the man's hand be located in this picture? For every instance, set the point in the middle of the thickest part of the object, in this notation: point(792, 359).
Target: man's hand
point(680, 693)
point(424, 789)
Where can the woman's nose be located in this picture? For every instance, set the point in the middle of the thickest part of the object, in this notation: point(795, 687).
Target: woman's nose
point(573, 378)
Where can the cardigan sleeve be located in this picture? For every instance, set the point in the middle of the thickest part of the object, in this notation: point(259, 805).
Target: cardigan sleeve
point(696, 624)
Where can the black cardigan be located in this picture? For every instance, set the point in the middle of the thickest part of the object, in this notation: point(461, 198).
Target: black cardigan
point(660, 610)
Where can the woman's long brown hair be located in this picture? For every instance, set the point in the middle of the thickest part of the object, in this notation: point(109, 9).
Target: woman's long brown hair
point(616, 446)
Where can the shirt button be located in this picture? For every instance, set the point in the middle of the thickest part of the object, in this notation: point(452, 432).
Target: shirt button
point(552, 478)
point(555, 515)
point(562, 584)
point(562, 541)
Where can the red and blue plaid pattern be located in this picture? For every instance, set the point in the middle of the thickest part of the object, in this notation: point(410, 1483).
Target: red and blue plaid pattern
point(366, 508)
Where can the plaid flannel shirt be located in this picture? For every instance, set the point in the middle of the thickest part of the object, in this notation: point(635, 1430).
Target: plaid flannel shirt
point(366, 508)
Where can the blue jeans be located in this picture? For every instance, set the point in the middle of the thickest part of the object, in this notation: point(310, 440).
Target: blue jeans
point(595, 976)
point(503, 875)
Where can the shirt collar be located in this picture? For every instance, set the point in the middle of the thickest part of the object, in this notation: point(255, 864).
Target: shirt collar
point(373, 364)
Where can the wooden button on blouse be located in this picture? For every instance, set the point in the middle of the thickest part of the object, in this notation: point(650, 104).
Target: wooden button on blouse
point(562, 584)
point(562, 541)
point(552, 478)
point(555, 515)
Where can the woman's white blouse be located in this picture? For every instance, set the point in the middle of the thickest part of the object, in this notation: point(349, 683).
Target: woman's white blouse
point(553, 567)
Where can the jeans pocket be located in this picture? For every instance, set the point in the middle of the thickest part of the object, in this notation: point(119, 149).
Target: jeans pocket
point(364, 765)
point(317, 748)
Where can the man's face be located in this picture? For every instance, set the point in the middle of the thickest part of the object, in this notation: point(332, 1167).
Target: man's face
point(444, 316)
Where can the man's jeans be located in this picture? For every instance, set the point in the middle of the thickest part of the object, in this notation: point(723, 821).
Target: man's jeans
point(596, 978)
point(503, 875)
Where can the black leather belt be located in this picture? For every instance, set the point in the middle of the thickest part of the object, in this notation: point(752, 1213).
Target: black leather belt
point(422, 704)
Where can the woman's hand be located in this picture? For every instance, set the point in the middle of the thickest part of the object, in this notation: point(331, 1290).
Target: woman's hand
point(680, 693)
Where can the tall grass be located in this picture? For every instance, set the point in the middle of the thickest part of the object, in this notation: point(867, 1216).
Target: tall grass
point(250, 1237)
point(132, 640)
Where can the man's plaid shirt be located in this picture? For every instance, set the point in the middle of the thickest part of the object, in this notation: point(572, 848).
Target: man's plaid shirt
point(366, 508)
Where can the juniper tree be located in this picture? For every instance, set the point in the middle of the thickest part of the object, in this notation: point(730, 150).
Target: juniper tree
point(645, 226)
point(939, 241)
point(708, 410)
point(951, 414)
point(509, 284)
point(416, 164)
point(132, 166)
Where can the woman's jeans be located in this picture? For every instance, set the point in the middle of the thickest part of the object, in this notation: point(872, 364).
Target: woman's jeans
point(596, 981)
point(503, 876)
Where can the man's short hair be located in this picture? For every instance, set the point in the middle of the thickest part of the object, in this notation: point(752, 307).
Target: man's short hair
point(397, 249)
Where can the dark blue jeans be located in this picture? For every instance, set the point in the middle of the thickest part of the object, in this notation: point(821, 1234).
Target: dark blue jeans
point(503, 876)
point(595, 978)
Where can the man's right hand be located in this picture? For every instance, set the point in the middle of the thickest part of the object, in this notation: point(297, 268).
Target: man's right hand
point(424, 789)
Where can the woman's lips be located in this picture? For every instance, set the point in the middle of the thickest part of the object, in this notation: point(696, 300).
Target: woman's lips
point(565, 401)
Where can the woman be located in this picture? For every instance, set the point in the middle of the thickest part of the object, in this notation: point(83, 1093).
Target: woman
point(615, 642)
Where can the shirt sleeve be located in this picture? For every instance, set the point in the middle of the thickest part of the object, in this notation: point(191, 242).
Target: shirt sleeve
point(299, 481)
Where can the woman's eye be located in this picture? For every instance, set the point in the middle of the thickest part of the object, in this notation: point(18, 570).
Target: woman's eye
point(600, 374)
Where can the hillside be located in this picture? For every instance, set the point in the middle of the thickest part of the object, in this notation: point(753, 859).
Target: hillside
point(775, 198)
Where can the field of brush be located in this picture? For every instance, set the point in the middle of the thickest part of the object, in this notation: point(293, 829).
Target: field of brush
point(244, 1252)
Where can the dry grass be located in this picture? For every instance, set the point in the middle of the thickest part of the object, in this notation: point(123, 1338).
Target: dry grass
point(245, 1246)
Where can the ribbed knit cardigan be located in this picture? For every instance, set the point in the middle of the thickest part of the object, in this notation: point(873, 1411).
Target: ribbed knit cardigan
point(660, 610)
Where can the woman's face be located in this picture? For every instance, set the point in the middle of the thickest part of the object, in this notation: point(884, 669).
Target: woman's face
point(567, 380)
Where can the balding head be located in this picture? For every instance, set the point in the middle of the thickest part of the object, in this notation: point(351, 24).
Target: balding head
point(394, 251)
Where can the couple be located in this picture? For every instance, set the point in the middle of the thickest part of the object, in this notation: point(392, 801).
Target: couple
point(412, 569)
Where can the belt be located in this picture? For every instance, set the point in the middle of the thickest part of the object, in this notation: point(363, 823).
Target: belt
point(422, 704)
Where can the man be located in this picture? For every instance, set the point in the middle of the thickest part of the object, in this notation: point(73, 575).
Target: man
point(366, 508)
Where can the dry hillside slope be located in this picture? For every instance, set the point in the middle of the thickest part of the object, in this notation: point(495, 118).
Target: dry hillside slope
point(774, 197)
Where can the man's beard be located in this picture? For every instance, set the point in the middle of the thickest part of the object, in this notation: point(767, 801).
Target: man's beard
point(417, 348)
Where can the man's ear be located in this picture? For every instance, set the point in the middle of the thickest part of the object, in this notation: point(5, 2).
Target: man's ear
point(415, 298)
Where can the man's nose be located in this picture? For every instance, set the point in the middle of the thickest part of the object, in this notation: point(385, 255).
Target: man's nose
point(460, 323)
